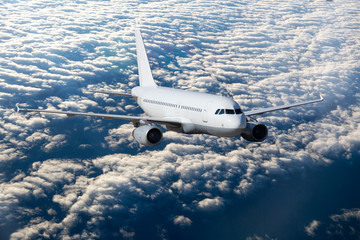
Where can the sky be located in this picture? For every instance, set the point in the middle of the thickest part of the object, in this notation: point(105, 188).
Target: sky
point(86, 178)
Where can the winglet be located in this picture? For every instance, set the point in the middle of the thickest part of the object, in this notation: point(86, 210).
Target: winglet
point(321, 98)
point(17, 107)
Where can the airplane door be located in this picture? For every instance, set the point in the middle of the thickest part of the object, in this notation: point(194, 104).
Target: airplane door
point(177, 110)
point(205, 113)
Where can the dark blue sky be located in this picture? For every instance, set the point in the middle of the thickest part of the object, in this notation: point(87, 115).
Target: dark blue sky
point(282, 209)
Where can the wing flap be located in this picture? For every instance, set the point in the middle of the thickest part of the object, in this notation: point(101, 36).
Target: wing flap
point(282, 107)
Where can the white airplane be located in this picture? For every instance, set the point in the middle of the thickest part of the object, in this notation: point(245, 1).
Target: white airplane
point(182, 111)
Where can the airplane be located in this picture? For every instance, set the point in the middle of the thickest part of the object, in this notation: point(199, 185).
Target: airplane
point(181, 111)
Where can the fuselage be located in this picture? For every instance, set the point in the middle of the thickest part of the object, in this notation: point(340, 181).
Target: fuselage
point(198, 112)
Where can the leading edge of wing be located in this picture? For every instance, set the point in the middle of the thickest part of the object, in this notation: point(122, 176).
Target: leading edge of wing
point(166, 121)
point(282, 107)
point(111, 92)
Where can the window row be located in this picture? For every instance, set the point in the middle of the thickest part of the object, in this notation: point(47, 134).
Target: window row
point(160, 103)
point(173, 105)
point(191, 108)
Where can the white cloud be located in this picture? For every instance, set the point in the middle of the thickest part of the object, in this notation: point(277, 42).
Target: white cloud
point(127, 234)
point(120, 136)
point(265, 53)
point(65, 202)
point(338, 139)
point(9, 153)
point(211, 204)
point(32, 121)
point(344, 225)
point(18, 87)
point(52, 142)
point(182, 221)
point(256, 237)
point(347, 215)
point(312, 227)
point(77, 103)
point(35, 230)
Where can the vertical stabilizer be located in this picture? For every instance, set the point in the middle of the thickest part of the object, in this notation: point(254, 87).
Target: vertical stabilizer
point(145, 77)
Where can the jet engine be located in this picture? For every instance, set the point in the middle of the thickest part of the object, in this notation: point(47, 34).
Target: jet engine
point(255, 132)
point(147, 135)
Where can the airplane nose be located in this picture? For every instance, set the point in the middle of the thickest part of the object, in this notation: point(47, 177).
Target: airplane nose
point(242, 121)
point(238, 122)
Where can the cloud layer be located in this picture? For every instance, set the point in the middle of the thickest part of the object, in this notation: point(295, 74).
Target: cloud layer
point(82, 178)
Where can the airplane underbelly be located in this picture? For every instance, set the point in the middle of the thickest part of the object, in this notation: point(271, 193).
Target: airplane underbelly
point(220, 131)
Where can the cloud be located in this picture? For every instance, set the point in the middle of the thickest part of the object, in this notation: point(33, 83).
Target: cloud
point(120, 136)
point(35, 230)
point(37, 186)
point(347, 215)
point(260, 54)
point(211, 204)
point(344, 225)
point(182, 221)
point(13, 121)
point(126, 234)
point(51, 143)
point(77, 103)
point(339, 140)
point(256, 237)
point(312, 227)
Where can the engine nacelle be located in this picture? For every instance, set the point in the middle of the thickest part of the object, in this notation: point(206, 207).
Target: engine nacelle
point(255, 132)
point(147, 135)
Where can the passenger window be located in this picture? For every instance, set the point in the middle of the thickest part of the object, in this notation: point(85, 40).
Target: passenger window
point(217, 111)
point(221, 111)
point(238, 111)
point(230, 111)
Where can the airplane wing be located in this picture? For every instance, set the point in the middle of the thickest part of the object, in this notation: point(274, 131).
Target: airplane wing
point(112, 93)
point(135, 119)
point(282, 107)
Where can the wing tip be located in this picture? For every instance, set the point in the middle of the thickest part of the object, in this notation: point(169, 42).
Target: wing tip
point(17, 107)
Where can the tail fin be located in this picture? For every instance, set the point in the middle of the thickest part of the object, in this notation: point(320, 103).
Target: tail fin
point(145, 77)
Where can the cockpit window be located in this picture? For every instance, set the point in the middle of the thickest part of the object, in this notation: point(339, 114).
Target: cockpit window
point(230, 111)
